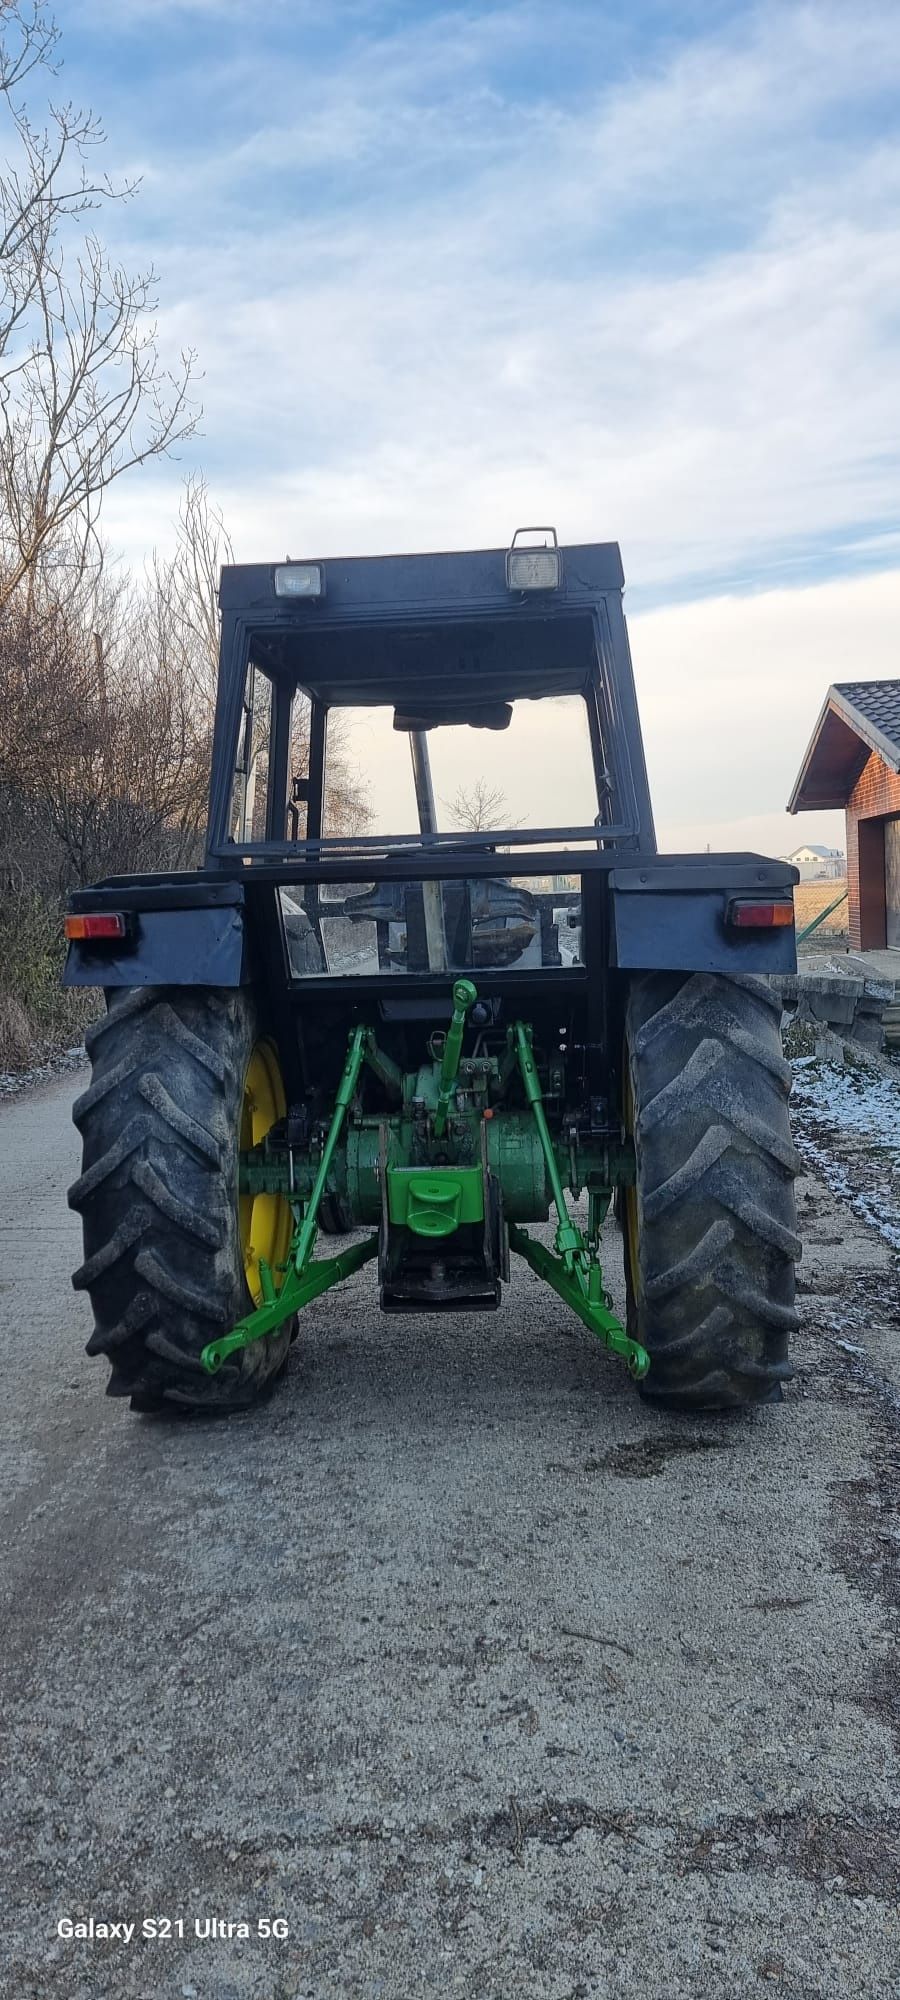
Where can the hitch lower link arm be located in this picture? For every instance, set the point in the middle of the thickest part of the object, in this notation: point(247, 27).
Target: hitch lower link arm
point(304, 1279)
point(574, 1272)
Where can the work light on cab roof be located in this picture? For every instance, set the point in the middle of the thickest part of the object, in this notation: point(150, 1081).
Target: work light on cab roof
point(295, 580)
point(534, 565)
point(529, 566)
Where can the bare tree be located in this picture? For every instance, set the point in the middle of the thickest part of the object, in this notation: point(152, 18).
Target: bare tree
point(28, 36)
point(182, 631)
point(203, 547)
point(104, 742)
point(100, 744)
point(85, 400)
point(482, 808)
point(84, 393)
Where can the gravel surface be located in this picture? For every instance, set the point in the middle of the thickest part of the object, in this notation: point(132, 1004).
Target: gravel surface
point(485, 1679)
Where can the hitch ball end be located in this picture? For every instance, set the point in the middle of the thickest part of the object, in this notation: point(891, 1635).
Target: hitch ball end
point(465, 994)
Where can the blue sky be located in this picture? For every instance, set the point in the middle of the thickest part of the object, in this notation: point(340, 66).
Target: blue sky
point(629, 268)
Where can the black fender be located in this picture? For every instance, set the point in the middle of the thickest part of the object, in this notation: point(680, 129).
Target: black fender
point(189, 933)
point(670, 915)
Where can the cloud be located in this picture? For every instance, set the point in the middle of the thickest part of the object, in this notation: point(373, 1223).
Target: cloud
point(432, 295)
point(131, 14)
point(729, 691)
point(632, 271)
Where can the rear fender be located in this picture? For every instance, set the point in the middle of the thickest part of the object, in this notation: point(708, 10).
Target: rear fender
point(675, 919)
point(194, 939)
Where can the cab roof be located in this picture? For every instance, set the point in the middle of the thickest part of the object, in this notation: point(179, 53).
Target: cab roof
point(444, 626)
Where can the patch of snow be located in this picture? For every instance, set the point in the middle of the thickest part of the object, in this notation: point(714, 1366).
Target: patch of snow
point(846, 1120)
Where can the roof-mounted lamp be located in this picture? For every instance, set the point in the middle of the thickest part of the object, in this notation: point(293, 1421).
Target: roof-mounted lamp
point(534, 565)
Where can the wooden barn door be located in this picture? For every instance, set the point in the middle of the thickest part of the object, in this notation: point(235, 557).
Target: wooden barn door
point(892, 882)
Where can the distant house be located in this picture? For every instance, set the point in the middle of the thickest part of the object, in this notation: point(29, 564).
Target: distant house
point(853, 761)
point(818, 864)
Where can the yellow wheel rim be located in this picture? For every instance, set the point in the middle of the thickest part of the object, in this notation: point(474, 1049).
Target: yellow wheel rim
point(632, 1225)
point(264, 1220)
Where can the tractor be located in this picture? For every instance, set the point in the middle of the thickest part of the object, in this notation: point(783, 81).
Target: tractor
point(421, 1043)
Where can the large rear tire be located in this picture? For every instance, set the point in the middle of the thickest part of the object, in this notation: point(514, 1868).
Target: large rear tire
point(164, 1260)
point(710, 1227)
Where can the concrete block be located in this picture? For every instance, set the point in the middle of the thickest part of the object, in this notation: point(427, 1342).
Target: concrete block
point(835, 1009)
point(868, 1031)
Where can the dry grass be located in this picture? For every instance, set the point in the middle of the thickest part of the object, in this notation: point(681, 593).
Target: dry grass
point(811, 897)
point(16, 1034)
point(28, 1039)
point(38, 1017)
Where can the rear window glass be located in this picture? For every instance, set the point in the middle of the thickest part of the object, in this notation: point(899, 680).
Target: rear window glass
point(492, 924)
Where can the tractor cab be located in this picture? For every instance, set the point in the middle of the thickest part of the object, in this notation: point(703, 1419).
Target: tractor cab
point(430, 728)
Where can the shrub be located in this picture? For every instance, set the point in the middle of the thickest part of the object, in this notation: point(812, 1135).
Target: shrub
point(37, 1015)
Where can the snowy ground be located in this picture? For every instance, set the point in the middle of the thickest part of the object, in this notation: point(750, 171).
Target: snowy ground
point(845, 1111)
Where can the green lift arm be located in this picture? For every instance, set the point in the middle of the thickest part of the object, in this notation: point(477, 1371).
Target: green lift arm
point(575, 1272)
point(303, 1280)
point(572, 1268)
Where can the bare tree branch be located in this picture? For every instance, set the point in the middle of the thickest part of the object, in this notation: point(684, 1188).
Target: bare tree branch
point(481, 808)
point(28, 37)
point(85, 395)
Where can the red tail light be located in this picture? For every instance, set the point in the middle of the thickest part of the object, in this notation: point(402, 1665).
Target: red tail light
point(103, 924)
point(747, 916)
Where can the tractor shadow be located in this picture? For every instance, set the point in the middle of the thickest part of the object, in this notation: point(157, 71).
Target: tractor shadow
point(530, 1363)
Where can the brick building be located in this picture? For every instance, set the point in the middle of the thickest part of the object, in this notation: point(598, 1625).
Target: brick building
point(853, 761)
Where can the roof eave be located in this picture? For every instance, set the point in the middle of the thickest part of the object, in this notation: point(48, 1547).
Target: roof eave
point(836, 703)
point(793, 804)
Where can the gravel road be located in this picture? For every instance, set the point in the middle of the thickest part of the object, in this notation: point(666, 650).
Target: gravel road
point(485, 1679)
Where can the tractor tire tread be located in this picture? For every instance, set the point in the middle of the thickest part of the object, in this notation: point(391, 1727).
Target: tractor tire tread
point(715, 1165)
point(158, 1196)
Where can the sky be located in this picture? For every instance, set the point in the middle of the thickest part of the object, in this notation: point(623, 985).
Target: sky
point(628, 268)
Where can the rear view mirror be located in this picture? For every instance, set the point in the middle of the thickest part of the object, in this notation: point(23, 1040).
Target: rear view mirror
point(447, 715)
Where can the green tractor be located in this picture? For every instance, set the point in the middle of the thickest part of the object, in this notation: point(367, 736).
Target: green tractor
point(422, 1042)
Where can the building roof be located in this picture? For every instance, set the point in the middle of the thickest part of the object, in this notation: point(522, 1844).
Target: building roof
point(857, 717)
point(812, 847)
